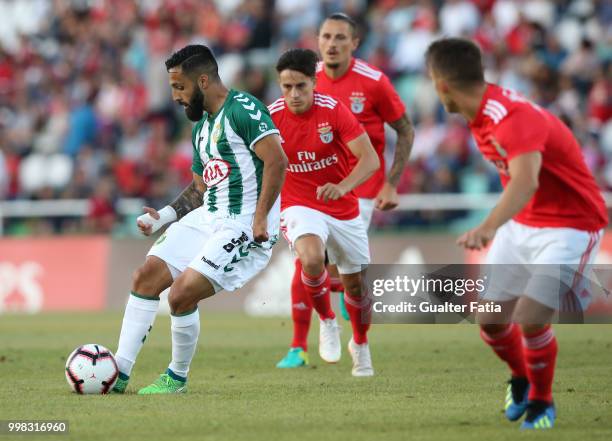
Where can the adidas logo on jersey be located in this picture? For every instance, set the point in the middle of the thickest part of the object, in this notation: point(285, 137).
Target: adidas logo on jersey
point(362, 68)
point(495, 110)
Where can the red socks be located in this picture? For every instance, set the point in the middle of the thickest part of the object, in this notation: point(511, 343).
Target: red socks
point(540, 355)
point(509, 347)
point(360, 313)
point(301, 309)
point(530, 356)
point(308, 292)
point(317, 288)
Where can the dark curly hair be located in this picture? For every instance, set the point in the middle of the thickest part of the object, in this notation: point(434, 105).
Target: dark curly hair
point(194, 60)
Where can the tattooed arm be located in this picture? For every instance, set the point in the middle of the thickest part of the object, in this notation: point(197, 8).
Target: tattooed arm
point(189, 199)
point(387, 198)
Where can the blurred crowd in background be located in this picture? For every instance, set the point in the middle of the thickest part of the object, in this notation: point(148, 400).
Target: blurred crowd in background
point(86, 112)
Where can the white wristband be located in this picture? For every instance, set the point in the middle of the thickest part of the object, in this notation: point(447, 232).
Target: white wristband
point(166, 215)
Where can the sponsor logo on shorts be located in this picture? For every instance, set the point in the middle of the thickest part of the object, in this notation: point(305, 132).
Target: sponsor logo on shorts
point(214, 265)
point(229, 247)
point(243, 252)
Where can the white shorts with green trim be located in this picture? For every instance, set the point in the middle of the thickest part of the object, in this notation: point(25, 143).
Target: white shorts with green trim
point(220, 248)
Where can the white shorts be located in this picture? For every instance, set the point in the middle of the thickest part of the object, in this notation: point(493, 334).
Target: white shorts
point(549, 265)
point(220, 248)
point(366, 209)
point(346, 240)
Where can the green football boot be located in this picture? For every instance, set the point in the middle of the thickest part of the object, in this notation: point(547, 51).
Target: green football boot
point(296, 357)
point(121, 384)
point(167, 383)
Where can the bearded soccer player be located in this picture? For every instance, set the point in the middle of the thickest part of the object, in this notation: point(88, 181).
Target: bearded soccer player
point(223, 225)
point(370, 96)
point(551, 213)
point(319, 208)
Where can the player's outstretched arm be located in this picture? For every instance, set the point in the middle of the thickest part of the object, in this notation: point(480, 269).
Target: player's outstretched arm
point(524, 173)
point(189, 199)
point(367, 164)
point(387, 197)
point(269, 150)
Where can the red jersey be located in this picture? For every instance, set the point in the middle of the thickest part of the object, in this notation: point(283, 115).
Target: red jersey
point(315, 144)
point(508, 125)
point(373, 100)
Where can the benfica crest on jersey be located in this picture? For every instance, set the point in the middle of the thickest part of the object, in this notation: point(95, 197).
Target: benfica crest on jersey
point(325, 133)
point(357, 103)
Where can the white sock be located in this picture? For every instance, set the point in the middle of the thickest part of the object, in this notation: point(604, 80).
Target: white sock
point(137, 323)
point(185, 332)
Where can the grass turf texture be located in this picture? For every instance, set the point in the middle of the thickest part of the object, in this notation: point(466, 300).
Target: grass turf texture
point(432, 382)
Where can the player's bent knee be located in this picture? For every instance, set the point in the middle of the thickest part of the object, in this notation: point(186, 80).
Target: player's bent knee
point(187, 290)
point(143, 283)
point(139, 276)
point(180, 301)
point(150, 279)
point(313, 264)
point(311, 252)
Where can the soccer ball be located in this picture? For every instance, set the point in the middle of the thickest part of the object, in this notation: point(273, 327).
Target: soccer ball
point(91, 369)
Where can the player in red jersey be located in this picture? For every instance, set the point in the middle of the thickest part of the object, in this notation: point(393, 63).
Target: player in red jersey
point(551, 212)
point(370, 96)
point(318, 207)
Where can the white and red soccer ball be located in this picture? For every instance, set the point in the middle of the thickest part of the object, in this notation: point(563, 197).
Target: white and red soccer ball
point(91, 369)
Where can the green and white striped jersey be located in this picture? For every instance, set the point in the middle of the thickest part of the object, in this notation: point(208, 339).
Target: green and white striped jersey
point(223, 154)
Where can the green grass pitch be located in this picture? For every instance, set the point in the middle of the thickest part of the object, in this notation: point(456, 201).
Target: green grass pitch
point(432, 382)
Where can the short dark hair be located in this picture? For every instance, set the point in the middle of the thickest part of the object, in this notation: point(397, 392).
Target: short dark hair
point(300, 60)
point(341, 16)
point(194, 60)
point(458, 60)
